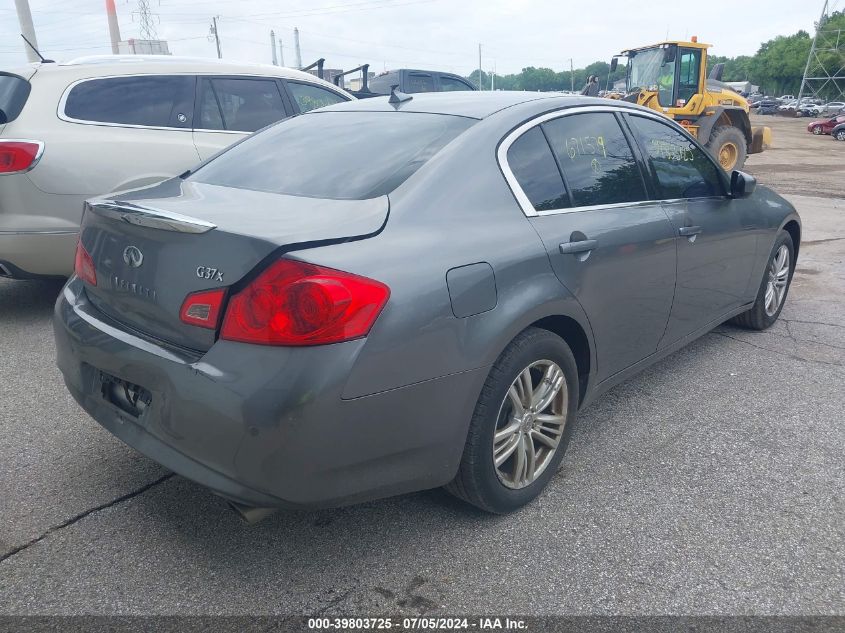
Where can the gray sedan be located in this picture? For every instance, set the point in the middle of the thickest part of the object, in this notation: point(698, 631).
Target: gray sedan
point(396, 294)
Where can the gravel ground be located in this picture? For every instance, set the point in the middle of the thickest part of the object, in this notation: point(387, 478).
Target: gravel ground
point(712, 483)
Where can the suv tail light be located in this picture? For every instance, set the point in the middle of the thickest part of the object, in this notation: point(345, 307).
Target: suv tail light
point(84, 266)
point(19, 156)
point(294, 303)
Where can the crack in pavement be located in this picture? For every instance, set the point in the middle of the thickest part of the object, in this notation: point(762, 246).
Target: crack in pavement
point(836, 325)
point(779, 353)
point(824, 241)
point(82, 515)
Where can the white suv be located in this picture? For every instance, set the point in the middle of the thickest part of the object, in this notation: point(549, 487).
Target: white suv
point(101, 124)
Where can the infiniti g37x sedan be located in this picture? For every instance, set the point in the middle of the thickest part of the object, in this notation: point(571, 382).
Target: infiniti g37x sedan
point(380, 297)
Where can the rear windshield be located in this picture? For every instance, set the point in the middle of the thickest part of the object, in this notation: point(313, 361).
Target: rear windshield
point(338, 155)
point(14, 92)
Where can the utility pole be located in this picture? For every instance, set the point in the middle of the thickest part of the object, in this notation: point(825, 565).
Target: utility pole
point(273, 47)
point(114, 29)
point(297, 51)
point(571, 75)
point(824, 73)
point(480, 84)
point(216, 35)
point(281, 53)
point(28, 30)
point(493, 77)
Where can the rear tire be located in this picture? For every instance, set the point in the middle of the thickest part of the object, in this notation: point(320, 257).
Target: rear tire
point(763, 313)
point(727, 144)
point(546, 360)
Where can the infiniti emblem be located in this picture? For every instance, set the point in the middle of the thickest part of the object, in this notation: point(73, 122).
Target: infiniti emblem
point(133, 256)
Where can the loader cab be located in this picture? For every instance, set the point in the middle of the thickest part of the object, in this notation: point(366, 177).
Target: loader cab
point(670, 72)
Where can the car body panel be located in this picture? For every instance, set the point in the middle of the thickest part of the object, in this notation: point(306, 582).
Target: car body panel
point(714, 267)
point(628, 315)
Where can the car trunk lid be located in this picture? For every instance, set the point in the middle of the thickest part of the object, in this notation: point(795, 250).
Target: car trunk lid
point(153, 247)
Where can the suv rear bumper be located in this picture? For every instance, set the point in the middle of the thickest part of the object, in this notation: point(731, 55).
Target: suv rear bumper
point(266, 426)
point(28, 255)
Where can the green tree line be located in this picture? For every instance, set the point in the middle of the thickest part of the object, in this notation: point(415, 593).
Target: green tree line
point(777, 67)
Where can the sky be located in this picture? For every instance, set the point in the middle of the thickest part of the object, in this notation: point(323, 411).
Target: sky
point(430, 34)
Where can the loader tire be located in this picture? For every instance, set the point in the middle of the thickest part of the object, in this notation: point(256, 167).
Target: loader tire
point(727, 145)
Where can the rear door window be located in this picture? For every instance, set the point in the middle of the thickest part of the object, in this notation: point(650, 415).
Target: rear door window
point(533, 165)
point(309, 97)
point(420, 82)
point(597, 162)
point(148, 100)
point(380, 84)
point(452, 84)
point(681, 169)
point(14, 92)
point(239, 104)
point(338, 155)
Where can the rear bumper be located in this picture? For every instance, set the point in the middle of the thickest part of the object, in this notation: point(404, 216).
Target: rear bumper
point(267, 426)
point(38, 230)
point(27, 255)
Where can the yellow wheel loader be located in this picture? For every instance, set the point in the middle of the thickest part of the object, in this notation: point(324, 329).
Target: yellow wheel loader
point(671, 78)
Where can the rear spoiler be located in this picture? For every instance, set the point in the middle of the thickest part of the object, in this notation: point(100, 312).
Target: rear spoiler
point(148, 217)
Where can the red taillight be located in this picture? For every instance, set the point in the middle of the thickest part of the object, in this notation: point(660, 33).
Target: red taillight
point(203, 308)
point(18, 155)
point(294, 303)
point(84, 265)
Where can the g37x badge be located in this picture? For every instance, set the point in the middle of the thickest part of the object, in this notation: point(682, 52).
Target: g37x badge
point(204, 272)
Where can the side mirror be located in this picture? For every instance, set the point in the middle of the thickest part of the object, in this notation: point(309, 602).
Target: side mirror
point(614, 64)
point(742, 184)
point(669, 54)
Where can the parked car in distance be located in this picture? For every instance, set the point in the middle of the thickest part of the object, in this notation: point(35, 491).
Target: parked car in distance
point(100, 124)
point(832, 107)
point(767, 106)
point(808, 109)
point(415, 81)
point(786, 98)
point(290, 339)
point(825, 126)
point(838, 133)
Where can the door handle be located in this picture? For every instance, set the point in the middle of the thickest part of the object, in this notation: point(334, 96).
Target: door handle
point(689, 231)
point(580, 246)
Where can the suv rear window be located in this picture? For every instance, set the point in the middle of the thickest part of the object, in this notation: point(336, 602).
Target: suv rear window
point(337, 155)
point(14, 92)
point(148, 100)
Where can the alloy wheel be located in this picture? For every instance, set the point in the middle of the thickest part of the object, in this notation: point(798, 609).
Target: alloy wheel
point(778, 279)
point(530, 424)
point(817, 130)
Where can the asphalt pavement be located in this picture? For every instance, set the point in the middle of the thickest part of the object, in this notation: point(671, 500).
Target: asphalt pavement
point(712, 483)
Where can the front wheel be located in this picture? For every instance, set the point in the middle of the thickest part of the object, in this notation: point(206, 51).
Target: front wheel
point(727, 145)
point(817, 130)
point(521, 425)
point(839, 135)
point(774, 287)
